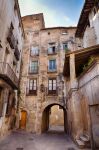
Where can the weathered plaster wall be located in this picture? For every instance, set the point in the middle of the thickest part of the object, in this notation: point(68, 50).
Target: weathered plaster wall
point(9, 14)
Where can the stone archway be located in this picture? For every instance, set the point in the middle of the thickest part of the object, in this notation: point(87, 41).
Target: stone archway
point(45, 117)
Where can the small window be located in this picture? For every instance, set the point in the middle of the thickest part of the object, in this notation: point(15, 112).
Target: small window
point(65, 46)
point(34, 51)
point(52, 50)
point(34, 67)
point(52, 65)
point(64, 32)
point(52, 86)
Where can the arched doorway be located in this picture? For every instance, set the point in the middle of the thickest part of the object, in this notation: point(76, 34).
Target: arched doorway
point(46, 118)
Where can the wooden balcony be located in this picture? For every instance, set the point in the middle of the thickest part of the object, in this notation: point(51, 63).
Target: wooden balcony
point(7, 74)
point(17, 53)
point(11, 39)
point(52, 92)
point(31, 92)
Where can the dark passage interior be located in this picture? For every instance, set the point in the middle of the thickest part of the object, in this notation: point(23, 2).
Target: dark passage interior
point(54, 119)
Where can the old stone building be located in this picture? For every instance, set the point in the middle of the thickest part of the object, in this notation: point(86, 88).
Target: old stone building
point(11, 39)
point(81, 71)
point(42, 82)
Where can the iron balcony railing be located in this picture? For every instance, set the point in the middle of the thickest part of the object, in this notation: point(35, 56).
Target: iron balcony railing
point(8, 75)
point(31, 92)
point(51, 70)
point(51, 92)
point(33, 71)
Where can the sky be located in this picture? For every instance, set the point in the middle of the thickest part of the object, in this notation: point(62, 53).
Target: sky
point(56, 12)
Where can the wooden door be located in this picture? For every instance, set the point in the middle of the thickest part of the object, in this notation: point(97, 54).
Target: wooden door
point(23, 119)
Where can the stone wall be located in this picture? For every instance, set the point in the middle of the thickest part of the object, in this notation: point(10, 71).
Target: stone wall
point(83, 104)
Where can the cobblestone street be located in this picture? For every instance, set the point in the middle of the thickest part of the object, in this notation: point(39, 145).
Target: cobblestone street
point(20, 140)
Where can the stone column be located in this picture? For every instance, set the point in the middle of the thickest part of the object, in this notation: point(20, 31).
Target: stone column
point(75, 100)
point(72, 71)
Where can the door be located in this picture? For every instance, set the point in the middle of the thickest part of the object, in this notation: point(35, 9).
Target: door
point(23, 120)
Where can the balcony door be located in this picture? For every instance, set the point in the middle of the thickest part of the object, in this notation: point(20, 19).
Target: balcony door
point(33, 86)
point(52, 86)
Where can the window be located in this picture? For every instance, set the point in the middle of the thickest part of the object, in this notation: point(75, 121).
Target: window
point(52, 48)
point(34, 51)
point(52, 88)
point(34, 67)
point(65, 46)
point(8, 109)
point(64, 32)
point(33, 86)
point(52, 65)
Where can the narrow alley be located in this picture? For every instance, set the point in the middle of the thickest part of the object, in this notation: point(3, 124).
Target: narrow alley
point(53, 140)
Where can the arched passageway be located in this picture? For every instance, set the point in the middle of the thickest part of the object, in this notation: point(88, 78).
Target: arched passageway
point(54, 117)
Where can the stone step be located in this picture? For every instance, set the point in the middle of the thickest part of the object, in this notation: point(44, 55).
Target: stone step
point(84, 138)
point(87, 136)
point(80, 143)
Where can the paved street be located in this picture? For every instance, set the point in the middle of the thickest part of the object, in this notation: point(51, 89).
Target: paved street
point(20, 140)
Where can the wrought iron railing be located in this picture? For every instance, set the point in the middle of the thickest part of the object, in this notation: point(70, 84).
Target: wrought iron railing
point(31, 92)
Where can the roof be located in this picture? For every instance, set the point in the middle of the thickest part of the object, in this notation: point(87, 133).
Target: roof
point(83, 20)
point(81, 57)
point(33, 15)
point(51, 28)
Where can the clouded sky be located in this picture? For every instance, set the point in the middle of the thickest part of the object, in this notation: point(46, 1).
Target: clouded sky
point(56, 12)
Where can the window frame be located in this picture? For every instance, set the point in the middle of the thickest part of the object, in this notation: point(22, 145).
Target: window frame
point(52, 67)
point(33, 90)
point(53, 85)
point(34, 52)
point(35, 66)
point(51, 48)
